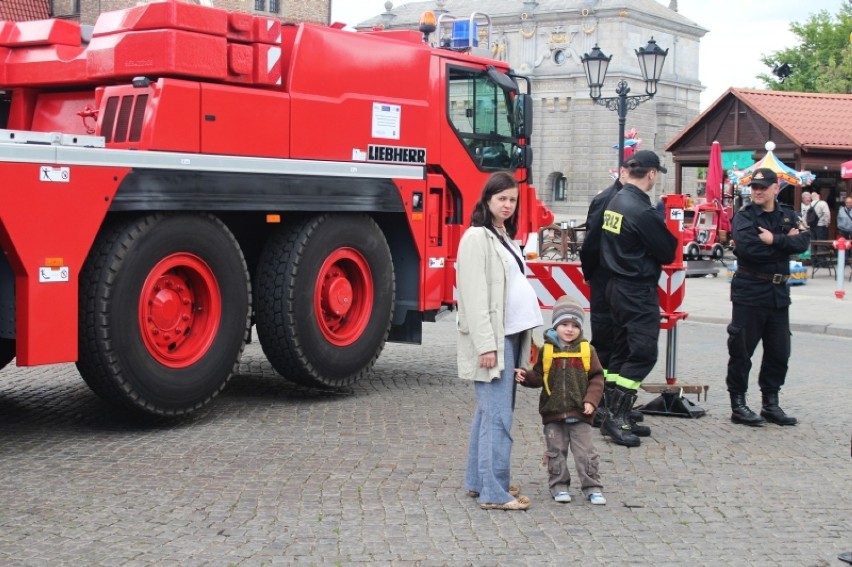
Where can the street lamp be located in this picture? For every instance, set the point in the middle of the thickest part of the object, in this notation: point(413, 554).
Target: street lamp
point(651, 59)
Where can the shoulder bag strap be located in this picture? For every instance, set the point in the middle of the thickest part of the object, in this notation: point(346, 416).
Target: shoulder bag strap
point(509, 248)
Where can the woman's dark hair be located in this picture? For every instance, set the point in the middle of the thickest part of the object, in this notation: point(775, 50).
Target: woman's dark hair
point(497, 183)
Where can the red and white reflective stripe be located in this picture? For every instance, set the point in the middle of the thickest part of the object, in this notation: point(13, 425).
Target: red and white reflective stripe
point(552, 281)
point(672, 290)
point(273, 65)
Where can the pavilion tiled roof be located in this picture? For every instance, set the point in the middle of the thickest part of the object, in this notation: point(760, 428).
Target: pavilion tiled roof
point(812, 120)
point(24, 10)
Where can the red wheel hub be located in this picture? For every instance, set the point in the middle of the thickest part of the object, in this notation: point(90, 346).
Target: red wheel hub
point(179, 310)
point(343, 297)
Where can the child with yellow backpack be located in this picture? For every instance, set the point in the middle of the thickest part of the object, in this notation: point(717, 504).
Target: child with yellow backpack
point(572, 382)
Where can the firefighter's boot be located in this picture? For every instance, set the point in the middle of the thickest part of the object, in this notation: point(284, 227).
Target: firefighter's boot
point(773, 413)
point(741, 413)
point(637, 429)
point(633, 417)
point(601, 412)
point(617, 423)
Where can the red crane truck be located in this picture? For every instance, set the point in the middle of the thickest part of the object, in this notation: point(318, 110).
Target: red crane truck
point(179, 173)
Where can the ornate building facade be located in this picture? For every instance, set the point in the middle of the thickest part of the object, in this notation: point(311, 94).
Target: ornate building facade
point(576, 140)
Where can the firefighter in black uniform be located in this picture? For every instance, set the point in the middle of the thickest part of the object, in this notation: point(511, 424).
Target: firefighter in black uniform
point(765, 235)
point(597, 277)
point(635, 244)
point(599, 316)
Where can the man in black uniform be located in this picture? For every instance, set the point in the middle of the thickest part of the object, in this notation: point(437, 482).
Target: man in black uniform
point(635, 243)
point(597, 278)
point(766, 234)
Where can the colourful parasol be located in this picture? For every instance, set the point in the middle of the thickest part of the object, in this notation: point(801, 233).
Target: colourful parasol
point(715, 177)
point(713, 192)
point(784, 172)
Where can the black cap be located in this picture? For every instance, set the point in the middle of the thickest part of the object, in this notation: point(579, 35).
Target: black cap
point(763, 177)
point(646, 158)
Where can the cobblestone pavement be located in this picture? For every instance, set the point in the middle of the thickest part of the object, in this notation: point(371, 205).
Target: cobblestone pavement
point(271, 474)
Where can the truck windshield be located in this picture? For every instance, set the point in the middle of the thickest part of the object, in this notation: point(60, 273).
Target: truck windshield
point(480, 113)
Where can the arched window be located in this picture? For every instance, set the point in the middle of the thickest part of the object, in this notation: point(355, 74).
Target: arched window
point(560, 186)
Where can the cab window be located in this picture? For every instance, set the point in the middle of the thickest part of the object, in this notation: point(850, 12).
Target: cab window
point(479, 114)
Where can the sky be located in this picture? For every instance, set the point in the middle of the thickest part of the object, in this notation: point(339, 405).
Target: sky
point(740, 31)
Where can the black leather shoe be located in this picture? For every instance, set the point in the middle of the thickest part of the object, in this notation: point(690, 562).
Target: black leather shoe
point(616, 425)
point(776, 415)
point(638, 430)
point(743, 415)
point(773, 412)
point(636, 416)
point(599, 417)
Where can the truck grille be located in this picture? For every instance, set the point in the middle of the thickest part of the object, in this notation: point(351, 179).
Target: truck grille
point(123, 116)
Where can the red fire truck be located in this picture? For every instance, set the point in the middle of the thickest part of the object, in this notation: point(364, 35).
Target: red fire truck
point(179, 173)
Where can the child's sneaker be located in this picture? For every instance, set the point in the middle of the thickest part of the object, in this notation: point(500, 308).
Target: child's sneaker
point(563, 497)
point(597, 499)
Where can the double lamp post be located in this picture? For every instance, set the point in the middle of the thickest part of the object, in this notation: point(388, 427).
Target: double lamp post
point(651, 59)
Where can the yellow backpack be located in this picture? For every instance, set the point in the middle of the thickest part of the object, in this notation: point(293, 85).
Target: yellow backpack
point(547, 359)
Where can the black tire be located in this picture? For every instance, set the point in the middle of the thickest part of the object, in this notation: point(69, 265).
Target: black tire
point(693, 252)
point(7, 352)
point(293, 325)
point(129, 261)
point(717, 252)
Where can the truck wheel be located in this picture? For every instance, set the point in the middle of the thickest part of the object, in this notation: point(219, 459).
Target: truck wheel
point(7, 352)
point(693, 252)
point(325, 295)
point(717, 252)
point(164, 313)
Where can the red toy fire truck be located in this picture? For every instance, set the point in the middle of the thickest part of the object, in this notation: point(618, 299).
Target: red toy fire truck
point(182, 173)
point(702, 238)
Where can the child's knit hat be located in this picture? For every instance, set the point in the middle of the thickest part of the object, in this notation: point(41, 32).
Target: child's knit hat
point(565, 308)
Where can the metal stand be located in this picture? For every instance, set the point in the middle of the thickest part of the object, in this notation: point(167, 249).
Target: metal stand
point(671, 401)
point(672, 404)
point(701, 268)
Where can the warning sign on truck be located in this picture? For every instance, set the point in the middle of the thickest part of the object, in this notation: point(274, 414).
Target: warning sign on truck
point(386, 120)
point(52, 174)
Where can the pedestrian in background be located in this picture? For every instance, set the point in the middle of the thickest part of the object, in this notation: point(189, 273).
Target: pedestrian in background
point(571, 378)
point(497, 311)
point(823, 217)
point(806, 203)
point(844, 219)
point(635, 244)
point(766, 235)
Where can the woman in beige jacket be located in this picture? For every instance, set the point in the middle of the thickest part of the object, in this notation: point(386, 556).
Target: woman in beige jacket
point(497, 311)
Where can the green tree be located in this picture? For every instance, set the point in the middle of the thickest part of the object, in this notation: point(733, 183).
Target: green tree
point(822, 62)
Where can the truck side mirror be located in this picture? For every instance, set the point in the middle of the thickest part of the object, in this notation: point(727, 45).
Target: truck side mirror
point(505, 82)
point(522, 156)
point(523, 115)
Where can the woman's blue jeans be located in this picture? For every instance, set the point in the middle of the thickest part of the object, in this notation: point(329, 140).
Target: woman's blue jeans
point(490, 450)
